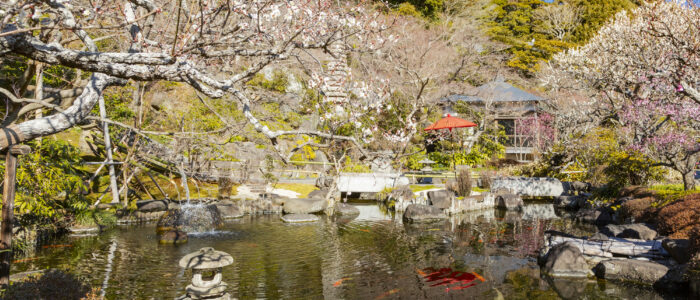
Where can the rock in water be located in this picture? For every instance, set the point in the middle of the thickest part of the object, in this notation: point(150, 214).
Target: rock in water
point(318, 194)
point(169, 221)
point(509, 202)
point(190, 218)
point(304, 206)
point(645, 272)
point(598, 216)
point(418, 213)
point(441, 199)
point(152, 205)
point(228, 210)
point(200, 218)
point(173, 237)
point(299, 218)
point(679, 249)
point(565, 260)
point(630, 231)
point(345, 209)
point(568, 202)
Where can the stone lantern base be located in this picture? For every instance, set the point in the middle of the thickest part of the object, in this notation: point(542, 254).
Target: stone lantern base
point(214, 293)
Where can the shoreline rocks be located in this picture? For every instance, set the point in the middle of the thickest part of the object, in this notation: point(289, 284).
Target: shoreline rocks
point(299, 218)
point(565, 260)
point(509, 202)
point(419, 213)
point(344, 209)
point(639, 231)
point(173, 237)
point(639, 271)
point(441, 199)
point(304, 206)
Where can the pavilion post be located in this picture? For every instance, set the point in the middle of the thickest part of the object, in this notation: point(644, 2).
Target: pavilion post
point(8, 200)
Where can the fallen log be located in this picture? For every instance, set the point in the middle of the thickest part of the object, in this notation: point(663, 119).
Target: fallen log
point(613, 246)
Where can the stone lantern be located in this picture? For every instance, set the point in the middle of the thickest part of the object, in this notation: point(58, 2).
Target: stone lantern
point(206, 265)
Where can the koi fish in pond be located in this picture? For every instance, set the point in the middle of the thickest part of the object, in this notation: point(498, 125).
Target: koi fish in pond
point(453, 280)
point(389, 293)
point(340, 281)
point(56, 246)
point(24, 260)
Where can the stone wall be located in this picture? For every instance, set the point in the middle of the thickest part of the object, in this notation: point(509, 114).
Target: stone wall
point(529, 186)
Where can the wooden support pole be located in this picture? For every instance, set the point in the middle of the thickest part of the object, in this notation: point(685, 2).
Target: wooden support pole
point(157, 185)
point(108, 149)
point(138, 181)
point(8, 201)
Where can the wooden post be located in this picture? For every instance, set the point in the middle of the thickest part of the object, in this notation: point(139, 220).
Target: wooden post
point(8, 201)
point(108, 149)
point(157, 185)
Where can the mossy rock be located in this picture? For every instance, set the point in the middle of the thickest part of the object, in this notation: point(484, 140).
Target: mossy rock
point(173, 237)
point(170, 221)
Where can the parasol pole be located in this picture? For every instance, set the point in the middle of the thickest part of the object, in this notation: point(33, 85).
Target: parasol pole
point(454, 163)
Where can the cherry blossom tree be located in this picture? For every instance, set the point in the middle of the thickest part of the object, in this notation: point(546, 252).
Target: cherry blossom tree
point(642, 72)
point(213, 46)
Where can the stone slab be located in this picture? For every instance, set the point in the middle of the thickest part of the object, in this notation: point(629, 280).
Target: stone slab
point(369, 182)
point(529, 186)
point(299, 218)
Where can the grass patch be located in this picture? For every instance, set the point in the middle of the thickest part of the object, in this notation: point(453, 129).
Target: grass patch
point(91, 218)
point(419, 188)
point(301, 188)
point(480, 190)
point(668, 193)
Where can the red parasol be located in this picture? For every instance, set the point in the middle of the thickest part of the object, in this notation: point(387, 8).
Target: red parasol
point(450, 122)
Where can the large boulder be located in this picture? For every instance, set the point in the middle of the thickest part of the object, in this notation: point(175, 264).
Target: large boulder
point(598, 216)
point(638, 231)
point(565, 260)
point(579, 187)
point(173, 237)
point(418, 213)
point(324, 182)
point(679, 249)
point(169, 221)
point(299, 218)
point(568, 202)
point(401, 197)
point(509, 202)
point(344, 209)
point(318, 194)
point(441, 199)
point(529, 186)
point(228, 210)
point(304, 206)
point(152, 205)
point(639, 271)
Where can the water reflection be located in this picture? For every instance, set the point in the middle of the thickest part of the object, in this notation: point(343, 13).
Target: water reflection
point(374, 256)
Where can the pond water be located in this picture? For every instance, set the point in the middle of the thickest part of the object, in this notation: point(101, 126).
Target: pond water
point(480, 255)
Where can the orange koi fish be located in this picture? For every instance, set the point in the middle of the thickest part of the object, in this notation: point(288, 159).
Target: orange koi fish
point(479, 277)
point(421, 273)
point(391, 292)
point(25, 259)
point(365, 230)
point(340, 281)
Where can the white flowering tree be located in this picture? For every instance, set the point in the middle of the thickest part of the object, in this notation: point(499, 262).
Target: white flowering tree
point(642, 71)
point(213, 46)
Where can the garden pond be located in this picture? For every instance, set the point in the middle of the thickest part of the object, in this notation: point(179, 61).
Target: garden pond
point(489, 254)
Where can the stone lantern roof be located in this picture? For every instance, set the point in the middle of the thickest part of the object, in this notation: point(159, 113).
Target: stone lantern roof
point(206, 258)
